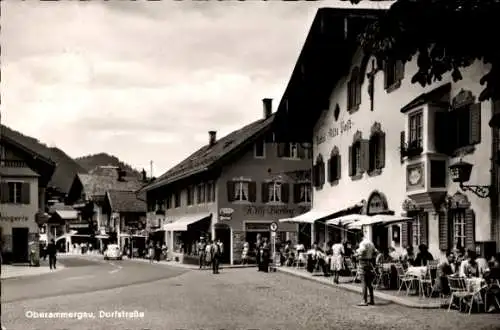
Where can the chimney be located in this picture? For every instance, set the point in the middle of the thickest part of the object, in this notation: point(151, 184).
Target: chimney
point(212, 137)
point(268, 107)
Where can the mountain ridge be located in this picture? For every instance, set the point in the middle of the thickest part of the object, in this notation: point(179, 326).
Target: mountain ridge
point(90, 162)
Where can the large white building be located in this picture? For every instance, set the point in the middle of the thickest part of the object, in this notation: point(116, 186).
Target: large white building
point(384, 145)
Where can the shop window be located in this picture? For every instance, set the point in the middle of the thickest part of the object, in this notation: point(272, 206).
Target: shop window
point(334, 166)
point(319, 172)
point(260, 149)
point(302, 192)
point(15, 192)
point(394, 74)
point(190, 195)
point(354, 91)
point(376, 152)
point(201, 193)
point(241, 190)
point(177, 199)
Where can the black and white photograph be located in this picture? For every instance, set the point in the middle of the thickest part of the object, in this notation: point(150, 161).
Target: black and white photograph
point(250, 165)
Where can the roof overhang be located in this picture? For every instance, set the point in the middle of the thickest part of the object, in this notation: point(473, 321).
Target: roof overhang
point(324, 59)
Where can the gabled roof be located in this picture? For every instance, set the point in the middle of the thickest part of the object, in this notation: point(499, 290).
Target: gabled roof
point(208, 157)
point(65, 166)
point(125, 201)
point(98, 185)
point(325, 58)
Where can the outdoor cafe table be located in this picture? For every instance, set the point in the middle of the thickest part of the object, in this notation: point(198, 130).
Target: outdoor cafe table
point(418, 272)
point(474, 283)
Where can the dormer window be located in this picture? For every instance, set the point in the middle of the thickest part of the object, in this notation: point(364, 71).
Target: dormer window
point(354, 91)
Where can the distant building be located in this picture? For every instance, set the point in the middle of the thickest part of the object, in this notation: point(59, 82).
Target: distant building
point(383, 145)
point(231, 189)
point(24, 175)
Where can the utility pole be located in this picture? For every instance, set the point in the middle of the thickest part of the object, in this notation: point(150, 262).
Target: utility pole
point(151, 168)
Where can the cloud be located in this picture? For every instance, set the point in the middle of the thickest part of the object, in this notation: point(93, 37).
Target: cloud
point(144, 81)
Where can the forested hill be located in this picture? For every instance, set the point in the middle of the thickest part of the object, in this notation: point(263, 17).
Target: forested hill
point(90, 162)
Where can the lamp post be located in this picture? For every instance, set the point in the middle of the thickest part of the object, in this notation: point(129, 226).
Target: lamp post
point(460, 173)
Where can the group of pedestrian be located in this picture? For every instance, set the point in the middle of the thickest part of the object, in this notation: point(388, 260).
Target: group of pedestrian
point(210, 254)
point(155, 251)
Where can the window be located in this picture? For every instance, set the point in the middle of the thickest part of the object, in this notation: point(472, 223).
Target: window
point(376, 153)
point(190, 195)
point(241, 190)
point(302, 192)
point(274, 189)
point(334, 166)
point(354, 91)
point(151, 205)
point(319, 172)
point(355, 163)
point(201, 193)
point(210, 192)
point(291, 150)
point(458, 229)
point(419, 229)
point(177, 199)
point(260, 148)
point(416, 130)
point(394, 74)
point(15, 192)
point(168, 202)
point(438, 173)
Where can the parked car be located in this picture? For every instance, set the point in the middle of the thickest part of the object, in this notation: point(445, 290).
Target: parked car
point(113, 252)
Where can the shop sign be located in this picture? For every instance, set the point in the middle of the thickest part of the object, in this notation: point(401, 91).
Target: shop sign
point(273, 210)
point(13, 219)
point(344, 127)
point(225, 214)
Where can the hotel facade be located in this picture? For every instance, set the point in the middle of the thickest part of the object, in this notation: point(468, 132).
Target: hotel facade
point(384, 145)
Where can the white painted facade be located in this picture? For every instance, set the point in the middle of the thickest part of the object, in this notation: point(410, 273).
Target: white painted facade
point(392, 181)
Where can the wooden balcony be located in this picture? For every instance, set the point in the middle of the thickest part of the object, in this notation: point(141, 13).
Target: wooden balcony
point(13, 163)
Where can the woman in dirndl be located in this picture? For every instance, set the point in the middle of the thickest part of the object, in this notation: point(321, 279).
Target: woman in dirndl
point(337, 260)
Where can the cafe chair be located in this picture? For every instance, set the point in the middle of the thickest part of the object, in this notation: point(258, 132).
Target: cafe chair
point(404, 279)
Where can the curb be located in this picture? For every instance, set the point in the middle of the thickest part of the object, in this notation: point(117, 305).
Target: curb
point(58, 269)
point(187, 266)
point(352, 288)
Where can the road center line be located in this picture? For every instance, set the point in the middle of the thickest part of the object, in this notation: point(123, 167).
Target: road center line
point(80, 277)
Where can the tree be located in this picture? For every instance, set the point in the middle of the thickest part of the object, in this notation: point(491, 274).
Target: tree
point(448, 35)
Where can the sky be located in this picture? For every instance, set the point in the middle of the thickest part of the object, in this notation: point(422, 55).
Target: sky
point(145, 81)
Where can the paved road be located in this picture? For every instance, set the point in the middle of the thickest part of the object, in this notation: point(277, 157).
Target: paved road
point(234, 299)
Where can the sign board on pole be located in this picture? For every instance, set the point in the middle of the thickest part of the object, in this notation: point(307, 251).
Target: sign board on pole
point(273, 234)
point(273, 227)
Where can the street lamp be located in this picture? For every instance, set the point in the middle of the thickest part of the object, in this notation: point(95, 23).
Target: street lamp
point(460, 172)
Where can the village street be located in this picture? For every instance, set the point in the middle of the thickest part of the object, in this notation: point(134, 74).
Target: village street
point(173, 298)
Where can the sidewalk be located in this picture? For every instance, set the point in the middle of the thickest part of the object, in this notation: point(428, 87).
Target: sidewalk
point(387, 295)
point(10, 271)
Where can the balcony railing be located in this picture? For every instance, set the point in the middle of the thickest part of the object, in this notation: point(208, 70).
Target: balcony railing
point(12, 163)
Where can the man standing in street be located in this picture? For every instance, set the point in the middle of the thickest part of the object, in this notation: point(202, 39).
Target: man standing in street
point(52, 252)
point(366, 254)
point(202, 245)
point(215, 251)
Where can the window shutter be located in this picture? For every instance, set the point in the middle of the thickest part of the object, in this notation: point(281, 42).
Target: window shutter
point(381, 151)
point(339, 166)
point(351, 167)
point(364, 155)
point(25, 193)
point(424, 223)
point(281, 149)
point(404, 234)
point(285, 192)
point(475, 123)
point(265, 192)
point(357, 93)
point(296, 193)
point(386, 76)
point(470, 226)
point(321, 169)
point(443, 231)
point(329, 169)
point(402, 140)
point(300, 151)
point(230, 191)
point(400, 70)
point(4, 192)
point(252, 192)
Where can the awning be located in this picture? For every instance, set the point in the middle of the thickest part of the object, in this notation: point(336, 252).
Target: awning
point(102, 236)
point(67, 214)
point(157, 230)
point(308, 217)
point(347, 219)
point(376, 219)
point(183, 223)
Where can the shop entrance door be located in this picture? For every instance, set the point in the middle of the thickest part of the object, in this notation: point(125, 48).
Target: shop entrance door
point(20, 237)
